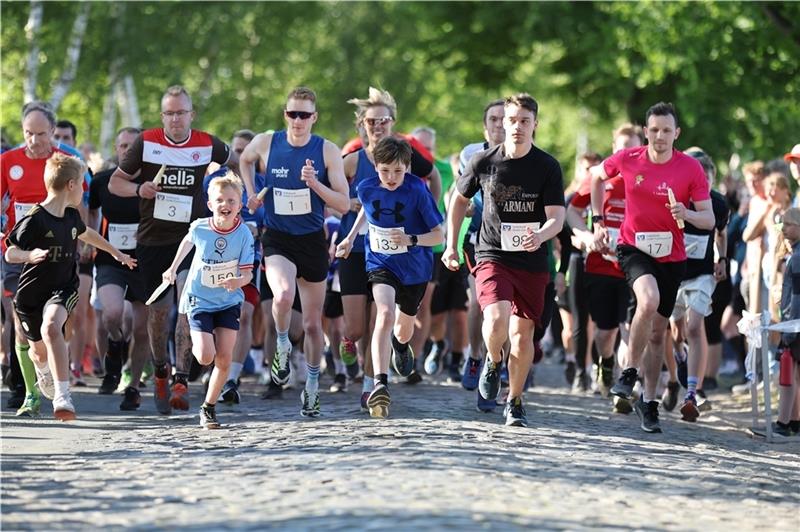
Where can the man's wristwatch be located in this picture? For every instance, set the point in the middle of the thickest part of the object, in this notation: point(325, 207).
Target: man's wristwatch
point(597, 218)
point(414, 240)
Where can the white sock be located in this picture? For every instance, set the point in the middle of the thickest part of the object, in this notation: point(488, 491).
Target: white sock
point(339, 365)
point(236, 370)
point(61, 390)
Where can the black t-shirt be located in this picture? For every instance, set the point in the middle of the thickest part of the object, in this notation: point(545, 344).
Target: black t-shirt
point(120, 219)
point(420, 166)
point(40, 229)
point(515, 191)
point(696, 239)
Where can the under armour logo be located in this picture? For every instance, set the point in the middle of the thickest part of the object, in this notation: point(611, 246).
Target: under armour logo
point(398, 209)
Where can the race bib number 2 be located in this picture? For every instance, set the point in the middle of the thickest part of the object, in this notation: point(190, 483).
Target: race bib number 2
point(657, 244)
point(379, 241)
point(122, 236)
point(511, 235)
point(173, 207)
point(696, 246)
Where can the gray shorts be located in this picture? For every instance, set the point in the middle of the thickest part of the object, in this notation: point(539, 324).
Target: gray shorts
point(130, 280)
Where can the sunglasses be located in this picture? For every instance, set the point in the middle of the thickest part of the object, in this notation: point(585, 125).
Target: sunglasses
point(379, 120)
point(302, 115)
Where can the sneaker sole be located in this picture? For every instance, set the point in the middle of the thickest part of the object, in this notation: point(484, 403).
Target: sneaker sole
point(128, 408)
point(311, 413)
point(379, 406)
point(622, 406)
point(432, 363)
point(211, 426)
point(396, 360)
point(27, 413)
point(689, 412)
point(64, 415)
point(649, 430)
point(516, 423)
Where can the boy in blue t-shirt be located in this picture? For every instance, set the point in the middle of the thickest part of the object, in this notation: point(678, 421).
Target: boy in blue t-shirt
point(404, 224)
point(213, 296)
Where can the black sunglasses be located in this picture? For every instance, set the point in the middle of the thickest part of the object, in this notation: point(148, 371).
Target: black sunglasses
point(302, 115)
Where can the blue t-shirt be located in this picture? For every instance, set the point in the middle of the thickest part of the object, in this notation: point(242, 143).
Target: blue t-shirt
point(290, 193)
point(256, 219)
point(364, 169)
point(218, 255)
point(410, 207)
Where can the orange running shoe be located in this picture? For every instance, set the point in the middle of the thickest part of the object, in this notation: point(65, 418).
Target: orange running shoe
point(162, 395)
point(180, 396)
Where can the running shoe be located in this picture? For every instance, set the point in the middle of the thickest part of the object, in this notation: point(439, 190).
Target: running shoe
point(339, 383)
point(621, 405)
point(349, 356)
point(63, 409)
point(583, 382)
point(472, 371)
point(414, 378)
point(489, 385)
point(76, 379)
point(605, 379)
point(403, 361)
point(486, 405)
point(44, 380)
point(569, 372)
point(670, 396)
point(180, 396)
point(433, 362)
point(161, 394)
point(504, 376)
point(31, 406)
point(454, 372)
point(280, 365)
point(131, 399)
point(624, 386)
point(710, 384)
point(378, 401)
point(703, 404)
point(648, 414)
point(778, 428)
point(364, 399)
point(514, 413)
point(230, 393)
point(689, 410)
point(125, 380)
point(310, 402)
point(208, 418)
point(274, 390)
point(681, 357)
point(17, 398)
point(109, 384)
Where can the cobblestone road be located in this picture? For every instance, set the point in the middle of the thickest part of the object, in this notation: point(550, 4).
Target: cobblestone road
point(436, 463)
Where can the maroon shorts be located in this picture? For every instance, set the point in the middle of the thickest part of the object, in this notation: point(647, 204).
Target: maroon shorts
point(525, 290)
point(251, 294)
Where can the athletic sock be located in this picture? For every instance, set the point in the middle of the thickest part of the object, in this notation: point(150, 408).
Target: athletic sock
point(312, 380)
point(691, 385)
point(368, 384)
point(608, 363)
point(113, 360)
point(61, 389)
point(455, 358)
point(27, 369)
point(339, 366)
point(235, 371)
point(283, 339)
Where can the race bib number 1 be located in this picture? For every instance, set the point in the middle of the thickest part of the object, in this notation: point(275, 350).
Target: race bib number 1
point(379, 241)
point(122, 236)
point(511, 235)
point(291, 201)
point(214, 274)
point(173, 207)
point(657, 244)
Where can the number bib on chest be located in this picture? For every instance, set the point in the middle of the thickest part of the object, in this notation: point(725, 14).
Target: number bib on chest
point(379, 241)
point(21, 209)
point(213, 274)
point(122, 236)
point(657, 244)
point(173, 207)
point(292, 202)
point(696, 246)
point(613, 236)
point(511, 235)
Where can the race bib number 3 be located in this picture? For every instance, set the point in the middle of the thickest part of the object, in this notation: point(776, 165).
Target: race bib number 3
point(173, 207)
point(656, 244)
point(292, 202)
point(379, 241)
point(21, 209)
point(214, 274)
point(511, 235)
point(696, 246)
point(122, 236)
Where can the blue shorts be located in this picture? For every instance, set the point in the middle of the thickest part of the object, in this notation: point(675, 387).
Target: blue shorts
point(227, 318)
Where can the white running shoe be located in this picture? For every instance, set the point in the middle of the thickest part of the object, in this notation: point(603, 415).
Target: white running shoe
point(44, 380)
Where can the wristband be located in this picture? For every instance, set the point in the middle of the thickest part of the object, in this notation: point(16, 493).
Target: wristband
point(137, 190)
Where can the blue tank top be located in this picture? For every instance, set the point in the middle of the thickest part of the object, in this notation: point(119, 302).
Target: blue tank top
point(288, 192)
point(364, 169)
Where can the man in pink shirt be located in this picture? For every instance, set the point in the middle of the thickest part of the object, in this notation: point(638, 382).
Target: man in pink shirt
point(650, 247)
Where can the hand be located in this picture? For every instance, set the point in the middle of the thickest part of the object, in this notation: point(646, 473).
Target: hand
point(398, 237)
point(148, 190)
point(470, 209)
point(531, 241)
point(355, 205)
point(127, 260)
point(308, 174)
point(86, 254)
point(719, 271)
point(561, 285)
point(601, 239)
point(253, 203)
point(450, 259)
point(169, 276)
point(37, 255)
point(232, 283)
point(678, 210)
point(343, 249)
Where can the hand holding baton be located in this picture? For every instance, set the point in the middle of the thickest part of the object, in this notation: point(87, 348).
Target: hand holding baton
point(159, 175)
point(672, 203)
point(260, 197)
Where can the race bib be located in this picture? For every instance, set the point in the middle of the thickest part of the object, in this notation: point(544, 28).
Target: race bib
point(473, 239)
point(657, 244)
point(613, 236)
point(212, 275)
point(379, 241)
point(122, 236)
point(511, 235)
point(336, 285)
point(21, 209)
point(173, 207)
point(292, 202)
point(696, 246)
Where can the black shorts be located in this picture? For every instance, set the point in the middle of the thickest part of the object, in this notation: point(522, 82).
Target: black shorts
point(129, 280)
point(719, 301)
point(332, 308)
point(353, 275)
point(204, 321)
point(668, 275)
point(153, 261)
point(609, 298)
point(85, 268)
point(469, 254)
point(30, 316)
point(451, 289)
point(266, 292)
point(309, 253)
point(408, 297)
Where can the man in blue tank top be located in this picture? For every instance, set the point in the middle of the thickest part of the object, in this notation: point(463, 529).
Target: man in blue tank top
point(304, 173)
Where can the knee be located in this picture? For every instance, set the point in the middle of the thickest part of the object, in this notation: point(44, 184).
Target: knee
point(647, 307)
point(222, 361)
point(694, 329)
point(204, 356)
point(283, 302)
point(312, 324)
point(354, 332)
point(51, 331)
point(385, 315)
point(112, 320)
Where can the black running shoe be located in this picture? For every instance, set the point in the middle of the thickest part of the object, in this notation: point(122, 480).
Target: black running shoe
point(414, 378)
point(681, 361)
point(569, 372)
point(515, 413)
point(648, 414)
point(208, 418)
point(131, 399)
point(403, 361)
point(378, 401)
point(339, 383)
point(230, 393)
point(109, 384)
point(489, 385)
point(274, 390)
point(782, 429)
point(710, 384)
point(624, 386)
point(670, 396)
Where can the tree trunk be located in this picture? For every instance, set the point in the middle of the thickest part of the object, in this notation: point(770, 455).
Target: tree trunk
point(108, 124)
point(128, 102)
point(32, 36)
point(73, 55)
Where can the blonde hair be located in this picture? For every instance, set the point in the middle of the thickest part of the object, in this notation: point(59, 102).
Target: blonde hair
point(60, 169)
point(230, 179)
point(302, 93)
point(376, 98)
point(177, 90)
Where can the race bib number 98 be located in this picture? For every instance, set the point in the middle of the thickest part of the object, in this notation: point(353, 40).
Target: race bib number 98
point(657, 244)
point(173, 207)
point(379, 241)
point(511, 235)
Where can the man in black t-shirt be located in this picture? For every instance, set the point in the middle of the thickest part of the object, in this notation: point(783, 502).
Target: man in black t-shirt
point(523, 207)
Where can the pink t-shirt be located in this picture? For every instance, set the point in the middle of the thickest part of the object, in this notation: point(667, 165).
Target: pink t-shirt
point(648, 224)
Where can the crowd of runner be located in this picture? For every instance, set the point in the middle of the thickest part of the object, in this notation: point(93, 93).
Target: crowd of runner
point(282, 256)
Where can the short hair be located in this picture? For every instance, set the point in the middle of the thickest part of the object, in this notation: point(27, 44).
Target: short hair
point(628, 130)
point(493, 103)
point(230, 179)
point(244, 134)
point(524, 100)
point(60, 169)
point(424, 129)
point(302, 93)
point(780, 180)
point(43, 107)
point(391, 149)
point(129, 129)
point(705, 161)
point(592, 157)
point(66, 124)
point(756, 168)
point(376, 98)
point(177, 90)
point(662, 109)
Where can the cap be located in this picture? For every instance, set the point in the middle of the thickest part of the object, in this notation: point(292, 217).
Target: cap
point(794, 154)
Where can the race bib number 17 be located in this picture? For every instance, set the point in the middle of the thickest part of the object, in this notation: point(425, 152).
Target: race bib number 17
point(657, 244)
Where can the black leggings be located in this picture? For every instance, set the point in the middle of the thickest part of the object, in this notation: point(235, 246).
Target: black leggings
point(579, 308)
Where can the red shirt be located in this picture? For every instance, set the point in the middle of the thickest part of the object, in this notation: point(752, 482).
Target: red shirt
point(646, 186)
point(613, 214)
